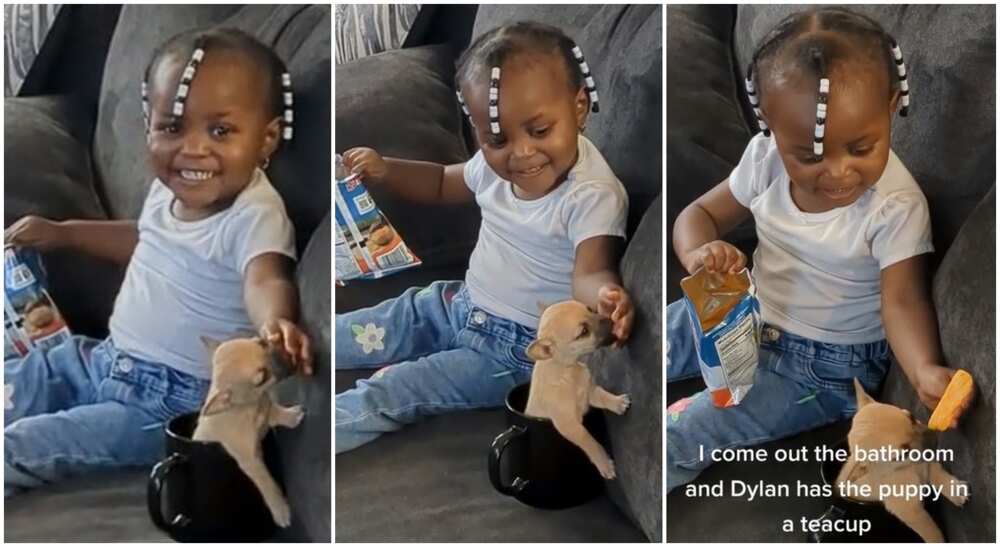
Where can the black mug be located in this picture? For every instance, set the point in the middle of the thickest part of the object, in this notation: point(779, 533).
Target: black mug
point(536, 465)
point(199, 493)
point(885, 527)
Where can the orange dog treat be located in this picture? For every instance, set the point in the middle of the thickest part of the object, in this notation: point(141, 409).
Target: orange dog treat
point(953, 403)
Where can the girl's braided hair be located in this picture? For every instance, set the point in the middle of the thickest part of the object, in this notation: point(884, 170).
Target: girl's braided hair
point(489, 51)
point(795, 41)
point(195, 44)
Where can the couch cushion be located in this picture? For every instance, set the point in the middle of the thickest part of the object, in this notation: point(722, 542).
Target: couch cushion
point(300, 35)
point(705, 131)
point(429, 483)
point(637, 369)
point(305, 450)
point(402, 103)
point(947, 140)
point(48, 173)
point(965, 300)
point(623, 45)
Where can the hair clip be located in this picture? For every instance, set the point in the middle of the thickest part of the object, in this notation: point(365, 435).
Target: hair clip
point(824, 91)
point(904, 87)
point(755, 103)
point(286, 91)
point(587, 78)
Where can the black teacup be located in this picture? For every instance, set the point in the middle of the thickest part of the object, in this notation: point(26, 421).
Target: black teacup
point(544, 469)
point(885, 527)
point(199, 493)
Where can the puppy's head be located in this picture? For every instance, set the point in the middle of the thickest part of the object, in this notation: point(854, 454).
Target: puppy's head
point(876, 425)
point(568, 330)
point(241, 373)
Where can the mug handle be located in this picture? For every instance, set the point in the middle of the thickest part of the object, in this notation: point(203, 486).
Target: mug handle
point(496, 454)
point(154, 490)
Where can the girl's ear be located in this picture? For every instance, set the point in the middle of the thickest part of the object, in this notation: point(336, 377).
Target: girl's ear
point(272, 136)
point(894, 101)
point(582, 105)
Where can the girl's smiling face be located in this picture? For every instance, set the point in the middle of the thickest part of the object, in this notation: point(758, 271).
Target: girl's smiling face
point(540, 119)
point(208, 156)
point(857, 138)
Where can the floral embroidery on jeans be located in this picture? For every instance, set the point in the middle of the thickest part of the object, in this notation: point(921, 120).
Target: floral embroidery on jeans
point(369, 337)
point(674, 410)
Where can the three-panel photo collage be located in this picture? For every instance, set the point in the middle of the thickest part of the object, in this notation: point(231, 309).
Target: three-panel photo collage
point(499, 273)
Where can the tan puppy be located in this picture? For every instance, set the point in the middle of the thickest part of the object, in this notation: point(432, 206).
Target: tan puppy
point(238, 412)
point(878, 425)
point(562, 388)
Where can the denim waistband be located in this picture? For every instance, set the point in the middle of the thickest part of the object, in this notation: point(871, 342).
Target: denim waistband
point(125, 363)
point(847, 353)
point(478, 319)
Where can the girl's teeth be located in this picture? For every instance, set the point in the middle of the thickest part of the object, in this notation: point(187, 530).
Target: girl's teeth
point(195, 175)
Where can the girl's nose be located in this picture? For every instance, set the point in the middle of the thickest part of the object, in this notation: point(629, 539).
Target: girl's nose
point(523, 148)
point(194, 143)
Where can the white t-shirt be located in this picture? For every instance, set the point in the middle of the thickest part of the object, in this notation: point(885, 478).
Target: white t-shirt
point(185, 279)
point(526, 248)
point(818, 275)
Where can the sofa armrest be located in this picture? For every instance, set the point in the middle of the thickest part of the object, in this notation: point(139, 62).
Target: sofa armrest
point(637, 369)
point(47, 172)
point(305, 450)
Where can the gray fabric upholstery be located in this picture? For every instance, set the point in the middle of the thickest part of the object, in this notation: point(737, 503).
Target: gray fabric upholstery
point(952, 80)
point(637, 369)
point(428, 483)
point(964, 296)
point(55, 181)
point(402, 103)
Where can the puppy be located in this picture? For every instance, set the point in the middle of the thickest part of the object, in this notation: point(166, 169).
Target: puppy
point(876, 425)
point(562, 388)
point(238, 412)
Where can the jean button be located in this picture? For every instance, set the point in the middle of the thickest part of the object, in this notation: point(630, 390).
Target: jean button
point(125, 365)
point(478, 317)
point(770, 335)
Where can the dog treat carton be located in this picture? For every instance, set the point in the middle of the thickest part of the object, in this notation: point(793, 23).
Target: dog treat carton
point(366, 245)
point(30, 317)
point(725, 315)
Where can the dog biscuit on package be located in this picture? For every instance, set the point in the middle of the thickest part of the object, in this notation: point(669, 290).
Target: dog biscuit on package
point(725, 317)
point(366, 245)
point(30, 318)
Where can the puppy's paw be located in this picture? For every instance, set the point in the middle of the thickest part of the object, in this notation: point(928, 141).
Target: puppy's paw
point(957, 486)
point(620, 403)
point(280, 512)
point(295, 415)
point(606, 468)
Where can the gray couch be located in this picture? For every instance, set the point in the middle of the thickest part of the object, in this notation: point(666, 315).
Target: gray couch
point(429, 481)
point(947, 142)
point(75, 148)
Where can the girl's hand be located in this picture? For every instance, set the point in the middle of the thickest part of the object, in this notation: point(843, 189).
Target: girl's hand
point(716, 256)
point(930, 381)
point(615, 303)
point(367, 163)
point(288, 339)
point(35, 232)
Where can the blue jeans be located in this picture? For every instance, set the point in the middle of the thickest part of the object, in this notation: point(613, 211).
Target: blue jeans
point(800, 384)
point(83, 406)
point(445, 355)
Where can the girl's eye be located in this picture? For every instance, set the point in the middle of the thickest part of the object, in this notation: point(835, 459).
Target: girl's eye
point(862, 151)
point(811, 159)
point(220, 130)
point(541, 132)
point(169, 127)
point(496, 142)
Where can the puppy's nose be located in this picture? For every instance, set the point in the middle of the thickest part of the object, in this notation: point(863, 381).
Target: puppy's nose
point(603, 331)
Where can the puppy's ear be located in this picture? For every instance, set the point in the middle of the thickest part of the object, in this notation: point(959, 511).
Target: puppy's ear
point(541, 349)
point(218, 401)
point(859, 392)
point(211, 344)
